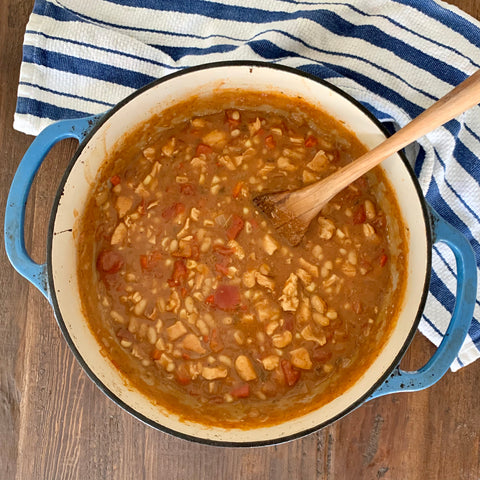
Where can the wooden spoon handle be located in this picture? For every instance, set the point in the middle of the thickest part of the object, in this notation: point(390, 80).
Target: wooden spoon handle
point(460, 99)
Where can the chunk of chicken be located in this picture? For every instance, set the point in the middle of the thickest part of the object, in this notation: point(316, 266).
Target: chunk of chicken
point(266, 311)
point(327, 228)
point(119, 234)
point(269, 244)
point(318, 162)
point(307, 334)
point(301, 359)
point(191, 342)
point(289, 298)
point(248, 278)
point(176, 330)
point(265, 281)
point(214, 137)
point(271, 362)
point(123, 205)
point(213, 373)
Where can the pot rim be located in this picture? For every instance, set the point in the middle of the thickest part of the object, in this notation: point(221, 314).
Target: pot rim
point(158, 426)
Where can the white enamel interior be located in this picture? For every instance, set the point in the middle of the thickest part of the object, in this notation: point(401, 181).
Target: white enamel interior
point(140, 109)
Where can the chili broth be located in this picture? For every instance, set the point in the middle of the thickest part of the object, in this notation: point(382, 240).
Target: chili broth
point(192, 294)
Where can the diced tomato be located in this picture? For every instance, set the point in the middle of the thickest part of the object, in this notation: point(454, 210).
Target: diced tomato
point(183, 380)
point(155, 258)
point(220, 268)
point(182, 375)
point(235, 227)
point(203, 148)
point(383, 259)
point(253, 223)
point(231, 121)
point(109, 261)
point(359, 215)
point(179, 274)
point(310, 141)
point(188, 250)
point(195, 252)
point(270, 142)
point(237, 189)
point(144, 261)
point(210, 300)
point(227, 297)
point(172, 211)
point(156, 354)
point(142, 209)
point(215, 342)
point(125, 334)
point(242, 391)
point(320, 354)
point(223, 250)
point(168, 213)
point(151, 261)
point(289, 321)
point(188, 189)
point(179, 208)
point(115, 180)
point(291, 374)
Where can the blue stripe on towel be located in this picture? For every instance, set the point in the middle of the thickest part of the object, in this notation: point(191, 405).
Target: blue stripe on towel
point(419, 162)
point(176, 53)
point(455, 192)
point(74, 44)
point(468, 160)
point(432, 325)
point(88, 68)
point(25, 105)
point(441, 292)
point(69, 95)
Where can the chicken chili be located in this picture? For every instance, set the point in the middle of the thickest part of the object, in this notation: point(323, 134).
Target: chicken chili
point(192, 294)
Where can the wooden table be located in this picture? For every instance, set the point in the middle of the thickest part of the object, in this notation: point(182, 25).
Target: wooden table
point(55, 424)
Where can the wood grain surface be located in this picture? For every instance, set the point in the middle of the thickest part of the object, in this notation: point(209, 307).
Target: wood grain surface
point(55, 424)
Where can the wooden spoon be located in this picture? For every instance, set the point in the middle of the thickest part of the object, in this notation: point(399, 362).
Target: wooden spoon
point(292, 211)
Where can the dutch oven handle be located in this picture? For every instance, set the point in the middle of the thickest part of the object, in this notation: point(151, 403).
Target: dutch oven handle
point(20, 189)
point(436, 367)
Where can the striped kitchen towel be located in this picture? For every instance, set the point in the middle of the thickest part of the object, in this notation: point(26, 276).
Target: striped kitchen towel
point(394, 56)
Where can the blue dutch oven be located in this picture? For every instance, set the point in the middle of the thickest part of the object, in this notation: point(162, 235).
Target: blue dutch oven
point(57, 281)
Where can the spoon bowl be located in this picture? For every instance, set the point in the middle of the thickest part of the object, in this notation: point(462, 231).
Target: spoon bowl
point(290, 212)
